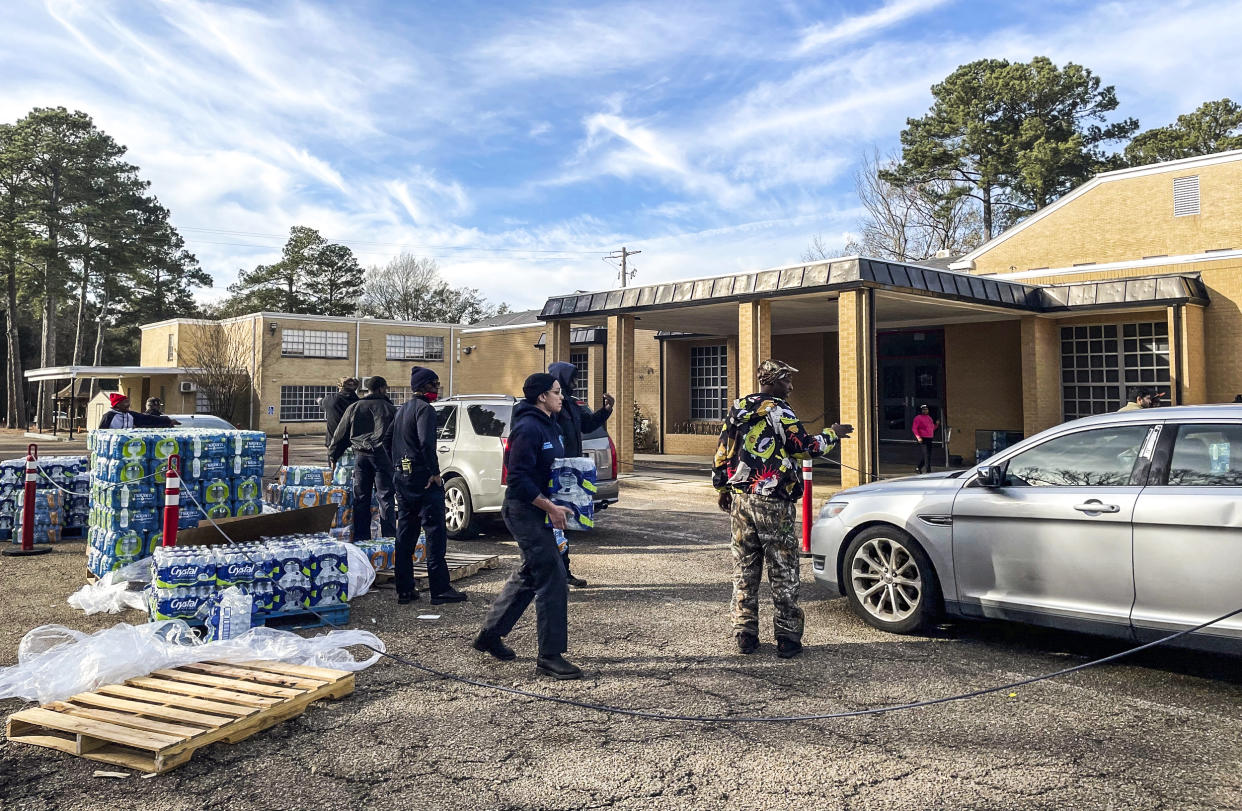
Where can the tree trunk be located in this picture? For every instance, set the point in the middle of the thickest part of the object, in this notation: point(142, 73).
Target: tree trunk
point(987, 212)
point(78, 328)
point(15, 411)
point(104, 302)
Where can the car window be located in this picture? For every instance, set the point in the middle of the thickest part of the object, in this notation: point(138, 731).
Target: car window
point(1207, 456)
point(489, 419)
point(446, 422)
point(1097, 458)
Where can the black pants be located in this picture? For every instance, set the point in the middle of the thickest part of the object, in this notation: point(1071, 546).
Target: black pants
point(925, 465)
point(373, 471)
point(541, 578)
point(420, 508)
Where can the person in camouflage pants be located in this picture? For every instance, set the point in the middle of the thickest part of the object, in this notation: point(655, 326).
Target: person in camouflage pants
point(757, 473)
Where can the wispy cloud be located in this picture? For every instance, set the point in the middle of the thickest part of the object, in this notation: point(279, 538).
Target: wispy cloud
point(861, 25)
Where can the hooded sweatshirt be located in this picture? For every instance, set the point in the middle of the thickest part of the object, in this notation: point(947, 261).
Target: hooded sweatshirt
point(761, 447)
point(534, 444)
point(576, 419)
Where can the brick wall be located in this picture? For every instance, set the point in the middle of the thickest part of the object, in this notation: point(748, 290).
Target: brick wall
point(500, 361)
point(1126, 219)
point(983, 380)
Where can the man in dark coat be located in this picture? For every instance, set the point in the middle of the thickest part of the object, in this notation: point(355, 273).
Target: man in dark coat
point(334, 406)
point(576, 419)
point(420, 492)
point(366, 426)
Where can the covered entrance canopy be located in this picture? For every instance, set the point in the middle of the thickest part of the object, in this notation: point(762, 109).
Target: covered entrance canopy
point(856, 299)
point(73, 374)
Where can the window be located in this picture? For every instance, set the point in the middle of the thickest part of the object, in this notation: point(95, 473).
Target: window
point(582, 361)
point(1185, 196)
point(1102, 363)
point(202, 405)
point(301, 403)
point(172, 347)
point(314, 343)
point(489, 420)
point(446, 423)
point(1207, 456)
point(1103, 457)
point(415, 347)
point(709, 382)
point(399, 394)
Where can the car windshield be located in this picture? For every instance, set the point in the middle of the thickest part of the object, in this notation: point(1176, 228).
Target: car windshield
point(490, 419)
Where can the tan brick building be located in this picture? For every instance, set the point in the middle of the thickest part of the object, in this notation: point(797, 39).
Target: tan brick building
point(1133, 279)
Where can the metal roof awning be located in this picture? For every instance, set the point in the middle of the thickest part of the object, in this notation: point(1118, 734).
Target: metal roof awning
point(860, 272)
point(73, 372)
point(579, 336)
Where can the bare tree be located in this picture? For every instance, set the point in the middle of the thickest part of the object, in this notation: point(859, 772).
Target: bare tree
point(818, 250)
point(218, 363)
point(410, 288)
point(906, 222)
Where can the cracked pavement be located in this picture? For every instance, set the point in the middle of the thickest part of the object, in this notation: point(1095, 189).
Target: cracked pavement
point(1160, 730)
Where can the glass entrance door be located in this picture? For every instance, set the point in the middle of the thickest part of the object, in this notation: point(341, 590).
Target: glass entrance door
point(911, 374)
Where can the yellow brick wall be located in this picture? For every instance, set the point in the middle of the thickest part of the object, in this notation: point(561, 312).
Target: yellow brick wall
point(983, 381)
point(805, 352)
point(1041, 374)
point(1126, 219)
point(500, 361)
point(647, 373)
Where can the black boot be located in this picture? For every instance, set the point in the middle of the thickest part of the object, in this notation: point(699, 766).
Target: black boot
point(406, 599)
point(576, 582)
point(450, 596)
point(788, 648)
point(486, 643)
point(747, 643)
point(558, 667)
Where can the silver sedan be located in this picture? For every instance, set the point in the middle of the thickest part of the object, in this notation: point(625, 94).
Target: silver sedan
point(1127, 524)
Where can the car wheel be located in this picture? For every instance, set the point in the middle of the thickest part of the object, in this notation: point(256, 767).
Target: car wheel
point(889, 580)
point(458, 509)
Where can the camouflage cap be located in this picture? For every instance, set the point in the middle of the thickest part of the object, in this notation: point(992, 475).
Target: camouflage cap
point(772, 370)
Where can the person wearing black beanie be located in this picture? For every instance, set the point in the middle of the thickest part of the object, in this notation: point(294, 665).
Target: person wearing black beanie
point(534, 445)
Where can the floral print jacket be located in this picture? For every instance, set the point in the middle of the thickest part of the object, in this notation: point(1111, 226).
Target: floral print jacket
point(761, 448)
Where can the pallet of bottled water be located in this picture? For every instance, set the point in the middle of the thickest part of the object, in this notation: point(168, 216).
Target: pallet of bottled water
point(221, 477)
point(301, 486)
point(61, 498)
point(284, 576)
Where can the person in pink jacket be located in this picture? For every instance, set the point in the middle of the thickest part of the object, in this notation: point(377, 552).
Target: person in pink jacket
point(924, 429)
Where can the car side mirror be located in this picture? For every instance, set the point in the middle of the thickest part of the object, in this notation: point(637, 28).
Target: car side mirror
point(991, 476)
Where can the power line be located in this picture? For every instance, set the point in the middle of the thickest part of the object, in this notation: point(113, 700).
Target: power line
point(623, 254)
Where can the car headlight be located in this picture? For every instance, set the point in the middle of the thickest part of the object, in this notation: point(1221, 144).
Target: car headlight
point(833, 508)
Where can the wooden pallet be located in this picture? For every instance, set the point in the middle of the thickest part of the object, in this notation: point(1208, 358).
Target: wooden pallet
point(157, 722)
point(460, 565)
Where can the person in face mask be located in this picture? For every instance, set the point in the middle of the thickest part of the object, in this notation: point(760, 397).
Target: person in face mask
point(420, 491)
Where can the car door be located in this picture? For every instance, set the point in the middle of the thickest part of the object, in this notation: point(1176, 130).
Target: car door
point(446, 434)
point(1188, 532)
point(1053, 544)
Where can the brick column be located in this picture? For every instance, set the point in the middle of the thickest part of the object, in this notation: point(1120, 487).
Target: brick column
point(731, 350)
point(754, 342)
point(856, 365)
point(1189, 358)
point(1041, 375)
point(558, 342)
point(595, 375)
point(621, 385)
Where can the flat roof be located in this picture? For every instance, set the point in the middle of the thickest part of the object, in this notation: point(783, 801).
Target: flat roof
point(340, 319)
point(862, 272)
point(67, 372)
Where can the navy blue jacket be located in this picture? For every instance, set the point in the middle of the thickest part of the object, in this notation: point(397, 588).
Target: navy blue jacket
point(414, 438)
point(534, 444)
point(576, 419)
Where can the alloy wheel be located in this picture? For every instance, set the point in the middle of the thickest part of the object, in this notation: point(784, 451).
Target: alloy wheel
point(886, 579)
point(454, 508)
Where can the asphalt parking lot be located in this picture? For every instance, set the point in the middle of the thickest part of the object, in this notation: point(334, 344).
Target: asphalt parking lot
point(1157, 731)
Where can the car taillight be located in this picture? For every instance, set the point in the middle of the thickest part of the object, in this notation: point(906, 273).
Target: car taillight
point(612, 448)
point(504, 458)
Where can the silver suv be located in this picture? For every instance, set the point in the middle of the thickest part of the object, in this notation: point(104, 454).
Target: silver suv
point(472, 434)
point(1125, 524)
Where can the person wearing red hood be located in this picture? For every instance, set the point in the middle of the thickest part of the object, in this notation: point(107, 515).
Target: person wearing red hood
point(119, 416)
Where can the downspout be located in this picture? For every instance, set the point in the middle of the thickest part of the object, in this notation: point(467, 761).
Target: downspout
point(455, 343)
point(254, 370)
point(1178, 371)
point(357, 345)
point(663, 406)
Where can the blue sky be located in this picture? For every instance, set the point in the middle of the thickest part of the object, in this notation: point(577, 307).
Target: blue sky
point(517, 143)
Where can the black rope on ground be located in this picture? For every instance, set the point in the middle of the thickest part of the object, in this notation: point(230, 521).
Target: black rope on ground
point(726, 719)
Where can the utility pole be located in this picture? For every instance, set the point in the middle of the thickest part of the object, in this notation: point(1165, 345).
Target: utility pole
point(623, 254)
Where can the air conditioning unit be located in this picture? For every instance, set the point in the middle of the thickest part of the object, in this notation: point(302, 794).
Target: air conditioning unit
point(188, 386)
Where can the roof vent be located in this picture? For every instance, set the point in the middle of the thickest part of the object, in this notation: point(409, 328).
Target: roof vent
point(1185, 196)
